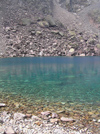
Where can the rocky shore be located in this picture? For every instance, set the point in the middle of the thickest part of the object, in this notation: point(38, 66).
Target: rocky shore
point(18, 123)
point(48, 122)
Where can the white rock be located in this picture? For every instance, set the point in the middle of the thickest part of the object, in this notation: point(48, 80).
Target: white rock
point(2, 104)
point(54, 115)
point(1, 130)
point(71, 50)
point(82, 54)
point(54, 120)
point(4, 113)
point(35, 117)
point(19, 116)
point(67, 119)
point(10, 130)
point(46, 113)
point(99, 121)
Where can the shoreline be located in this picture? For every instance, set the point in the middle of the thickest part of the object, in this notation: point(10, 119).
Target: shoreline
point(18, 123)
point(35, 118)
point(43, 121)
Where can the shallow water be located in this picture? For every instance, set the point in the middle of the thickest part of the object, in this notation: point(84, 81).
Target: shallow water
point(52, 79)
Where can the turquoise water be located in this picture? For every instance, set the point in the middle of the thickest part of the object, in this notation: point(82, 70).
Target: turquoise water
point(52, 79)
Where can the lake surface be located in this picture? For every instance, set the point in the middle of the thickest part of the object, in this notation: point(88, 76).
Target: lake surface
point(52, 79)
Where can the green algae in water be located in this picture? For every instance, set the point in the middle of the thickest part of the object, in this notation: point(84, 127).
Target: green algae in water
point(52, 79)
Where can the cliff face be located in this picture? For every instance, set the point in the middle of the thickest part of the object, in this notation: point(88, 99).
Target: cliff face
point(47, 28)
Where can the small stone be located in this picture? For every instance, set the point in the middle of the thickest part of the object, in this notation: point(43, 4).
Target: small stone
point(71, 50)
point(38, 123)
point(54, 120)
point(62, 111)
point(64, 119)
point(82, 54)
point(2, 104)
point(58, 131)
point(28, 115)
point(94, 120)
point(19, 116)
point(9, 131)
point(54, 115)
point(35, 118)
point(44, 117)
point(4, 113)
point(46, 113)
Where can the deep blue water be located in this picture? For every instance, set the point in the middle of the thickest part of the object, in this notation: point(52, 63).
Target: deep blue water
point(56, 79)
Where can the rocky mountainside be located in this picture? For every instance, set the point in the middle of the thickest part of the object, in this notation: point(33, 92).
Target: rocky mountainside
point(47, 28)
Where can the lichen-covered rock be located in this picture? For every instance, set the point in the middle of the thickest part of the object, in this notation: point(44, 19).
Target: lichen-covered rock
point(43, 24)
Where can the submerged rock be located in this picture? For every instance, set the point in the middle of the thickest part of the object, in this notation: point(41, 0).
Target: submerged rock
point(64, 119)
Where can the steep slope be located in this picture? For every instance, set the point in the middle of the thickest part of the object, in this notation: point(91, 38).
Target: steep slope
point(34, 28)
